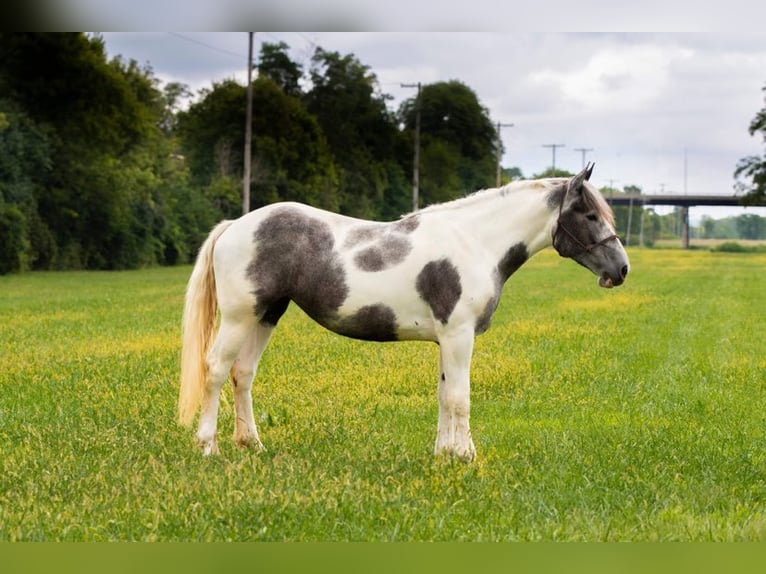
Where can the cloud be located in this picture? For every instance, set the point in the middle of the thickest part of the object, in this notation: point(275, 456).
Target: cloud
point(616, 78)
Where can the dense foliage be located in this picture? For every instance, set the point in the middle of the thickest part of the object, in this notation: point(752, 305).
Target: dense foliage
point(88, 178)
point(751, 170)
point(100, 169)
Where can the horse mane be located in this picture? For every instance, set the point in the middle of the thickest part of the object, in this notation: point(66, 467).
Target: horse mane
point(595, 201)
point(489, 193)
point(552, 185)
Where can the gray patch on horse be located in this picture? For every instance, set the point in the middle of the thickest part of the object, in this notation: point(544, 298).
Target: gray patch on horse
point(389, 251)
point(514, 258)
point(484, 320)
point(556, 196)
point(295, 260)
point(438, 284)
point(274, 312)
point(584, 234)
point(363, 234)
point(407, 224)
point(370, 323)
point(368, 233)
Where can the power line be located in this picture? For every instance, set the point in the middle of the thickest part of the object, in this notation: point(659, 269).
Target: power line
point(208, 46)
point(307, 39)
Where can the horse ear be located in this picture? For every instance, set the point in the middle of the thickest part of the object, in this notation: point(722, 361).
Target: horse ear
point(575, 184)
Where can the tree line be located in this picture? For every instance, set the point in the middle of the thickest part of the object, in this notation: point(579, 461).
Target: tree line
point(101, 168)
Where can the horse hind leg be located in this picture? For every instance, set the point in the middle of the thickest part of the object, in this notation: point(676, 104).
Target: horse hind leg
point(228, 342)
point(242, 374)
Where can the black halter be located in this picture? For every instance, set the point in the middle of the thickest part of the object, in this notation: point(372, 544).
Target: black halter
point(560, 227)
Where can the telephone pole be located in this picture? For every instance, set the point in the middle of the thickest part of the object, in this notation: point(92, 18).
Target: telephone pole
point(248, 127)
point(500, 149)
point(553, 147)
point(611, 190)
point(583, 150)
point(416, 159)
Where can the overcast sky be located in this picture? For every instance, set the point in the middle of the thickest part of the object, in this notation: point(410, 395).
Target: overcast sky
point(668, 112)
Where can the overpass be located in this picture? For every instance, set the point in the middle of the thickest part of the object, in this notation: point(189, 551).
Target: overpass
point(683, 201)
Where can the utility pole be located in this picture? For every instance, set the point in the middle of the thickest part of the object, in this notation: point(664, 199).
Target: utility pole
point(553, 147)
point(684, 227)
point(611, 190)
point(500, 150)
point(583, 150)
point(248, 128)
point(416, 159)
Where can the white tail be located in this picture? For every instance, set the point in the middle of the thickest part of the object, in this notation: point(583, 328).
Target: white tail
point(198, 327)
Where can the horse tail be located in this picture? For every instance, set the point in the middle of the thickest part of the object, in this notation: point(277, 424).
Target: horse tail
point(198, 327)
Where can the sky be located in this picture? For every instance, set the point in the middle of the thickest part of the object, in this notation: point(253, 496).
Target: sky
point(667, 112)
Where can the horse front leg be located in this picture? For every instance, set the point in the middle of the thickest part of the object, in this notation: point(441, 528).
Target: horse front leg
point(453, 434)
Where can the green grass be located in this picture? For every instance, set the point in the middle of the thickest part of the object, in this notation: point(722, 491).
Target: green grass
point(637, 413)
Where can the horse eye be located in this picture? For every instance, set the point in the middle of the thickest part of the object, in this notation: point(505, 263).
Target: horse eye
point(592, 217)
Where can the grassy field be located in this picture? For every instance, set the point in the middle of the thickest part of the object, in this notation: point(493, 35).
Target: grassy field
point(632, 414)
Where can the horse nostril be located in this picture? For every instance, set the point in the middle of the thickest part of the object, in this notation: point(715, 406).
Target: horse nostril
point(624, 271)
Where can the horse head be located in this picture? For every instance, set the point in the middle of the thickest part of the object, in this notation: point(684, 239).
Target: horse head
point(584, 231)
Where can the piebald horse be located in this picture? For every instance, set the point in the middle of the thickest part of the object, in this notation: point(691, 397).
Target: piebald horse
point(433, 275)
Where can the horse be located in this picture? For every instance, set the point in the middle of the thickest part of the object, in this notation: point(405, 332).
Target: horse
point(435, 274)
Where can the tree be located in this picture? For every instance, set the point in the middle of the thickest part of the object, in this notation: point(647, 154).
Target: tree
point(508, 174)
point(25, 165)
point(360, 131)
point(94, 114)
point(455, 128)
point(89, 143)
point(751, 171)
point(750, 226)
point(553, 172)
point(172, 94)
point(708, 227)
point(275, 63)
point(291, 160)
point(211, 132)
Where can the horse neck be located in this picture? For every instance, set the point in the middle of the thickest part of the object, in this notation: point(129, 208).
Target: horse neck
point(501, 218)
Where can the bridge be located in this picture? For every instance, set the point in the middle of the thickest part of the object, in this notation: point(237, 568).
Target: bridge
point(683, 201)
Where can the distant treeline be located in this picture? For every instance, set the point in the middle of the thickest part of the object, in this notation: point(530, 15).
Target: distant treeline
point(100, 168)
point(745, 226)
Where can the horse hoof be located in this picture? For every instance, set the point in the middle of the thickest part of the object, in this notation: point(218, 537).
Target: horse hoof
point(251, 443)
point(208, 447)
point(467, 455)
point(463, 455)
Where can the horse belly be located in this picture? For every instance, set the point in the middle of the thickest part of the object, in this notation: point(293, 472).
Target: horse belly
point(384, 308)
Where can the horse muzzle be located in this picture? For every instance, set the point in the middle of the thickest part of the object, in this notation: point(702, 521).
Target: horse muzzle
point(609, 280)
